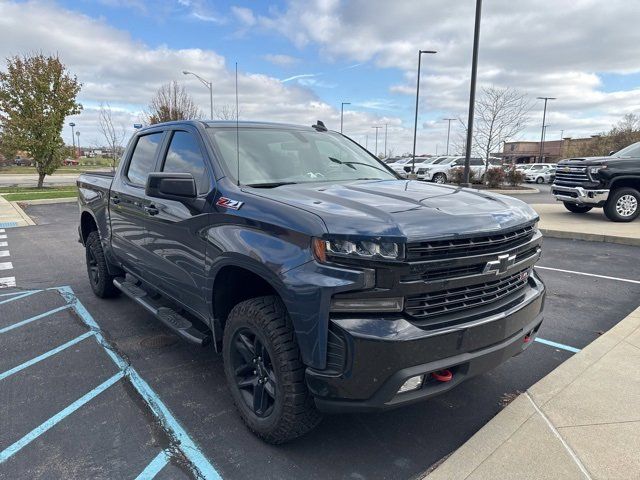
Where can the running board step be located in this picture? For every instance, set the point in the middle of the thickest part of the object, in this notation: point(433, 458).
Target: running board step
point(172, 319)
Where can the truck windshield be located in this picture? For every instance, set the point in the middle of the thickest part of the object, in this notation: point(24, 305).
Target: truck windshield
point(270, 157)
point(632, 150)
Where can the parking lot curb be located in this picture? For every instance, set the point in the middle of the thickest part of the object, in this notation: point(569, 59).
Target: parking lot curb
point(528, 191)
point(563, 426)
point(46, 201)
point(590, 237)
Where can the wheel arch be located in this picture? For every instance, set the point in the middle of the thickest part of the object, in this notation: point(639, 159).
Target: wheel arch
point(626, 182)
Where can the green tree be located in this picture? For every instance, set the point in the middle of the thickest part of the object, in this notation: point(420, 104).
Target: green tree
point(36, 94)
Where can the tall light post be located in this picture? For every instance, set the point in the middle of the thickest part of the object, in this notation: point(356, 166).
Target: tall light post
point(73, 138)
point(377, 128)
point(415, 123)
point(544, 119)
point(386, 128)
point(207, 84)
point(78, 135)
point(472, 94)
point(449, 120)
point(342, 113)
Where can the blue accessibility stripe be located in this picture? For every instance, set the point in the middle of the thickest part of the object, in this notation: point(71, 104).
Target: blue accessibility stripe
point(33, 319)
point(557, 345)
point(158, 463)
point(44, 356)
point(203, 468)
point(57, 418)
point(18, 295)
point(8, 224)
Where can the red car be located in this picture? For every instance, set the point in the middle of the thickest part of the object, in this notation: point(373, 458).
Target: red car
point(69, 162)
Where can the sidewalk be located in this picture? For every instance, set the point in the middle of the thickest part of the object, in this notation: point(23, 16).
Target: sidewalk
point(11, 215)
point(556, 221)
point(581, 421)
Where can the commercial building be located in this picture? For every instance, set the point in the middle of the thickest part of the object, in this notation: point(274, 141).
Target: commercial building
point(553, 150)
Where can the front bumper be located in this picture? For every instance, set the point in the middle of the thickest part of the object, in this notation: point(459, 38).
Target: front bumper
point(580, 195)
point(382, 353)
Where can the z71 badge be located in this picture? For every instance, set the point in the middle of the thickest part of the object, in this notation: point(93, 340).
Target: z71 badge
point(228, 203)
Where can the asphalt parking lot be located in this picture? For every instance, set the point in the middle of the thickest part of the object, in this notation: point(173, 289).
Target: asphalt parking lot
point(183, 422)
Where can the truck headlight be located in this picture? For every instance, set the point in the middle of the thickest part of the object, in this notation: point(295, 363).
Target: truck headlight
point(369, 249)
point(593, 171)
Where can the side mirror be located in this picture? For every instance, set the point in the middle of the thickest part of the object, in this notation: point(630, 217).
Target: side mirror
point(171, 186)
point(612, 152)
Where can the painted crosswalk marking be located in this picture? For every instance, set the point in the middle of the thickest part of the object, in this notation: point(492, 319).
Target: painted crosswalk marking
point(6, 265)
point(6, 282)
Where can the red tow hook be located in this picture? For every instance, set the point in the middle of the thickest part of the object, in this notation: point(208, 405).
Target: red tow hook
point(442, 375)
point(528, 338)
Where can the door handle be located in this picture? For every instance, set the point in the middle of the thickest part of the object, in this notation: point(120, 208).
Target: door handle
point(115, 200)
point(151, 209)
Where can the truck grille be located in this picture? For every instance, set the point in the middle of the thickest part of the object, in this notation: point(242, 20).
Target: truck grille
point(461, 247)
point(572, 176)
point(432, 306)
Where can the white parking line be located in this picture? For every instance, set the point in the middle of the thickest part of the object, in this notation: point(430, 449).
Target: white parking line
point(6, 265)
point(7, 282)
point(4, 244)
point(4, 253)
point(590, 275)
point(3, 236)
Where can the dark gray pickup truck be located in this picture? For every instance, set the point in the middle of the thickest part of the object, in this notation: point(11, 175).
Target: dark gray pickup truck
point(327, 283)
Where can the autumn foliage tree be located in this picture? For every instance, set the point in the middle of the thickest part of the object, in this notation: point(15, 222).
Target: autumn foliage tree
point(37, 93)
point(172, 102)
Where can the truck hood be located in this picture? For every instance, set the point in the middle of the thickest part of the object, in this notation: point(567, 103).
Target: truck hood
point(585, 161)
point(401, 209)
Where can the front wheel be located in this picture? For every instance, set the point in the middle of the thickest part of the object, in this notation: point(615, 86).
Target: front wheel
point(440, 178)
point(622, 205)
point(573, 208)
point(540, 180)
point(265, 372)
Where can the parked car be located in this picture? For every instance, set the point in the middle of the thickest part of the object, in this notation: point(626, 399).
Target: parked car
point(326, 283)
point(23, 162)
point(440, 171)
point(611, 183)
point(533, 167)
point(398, 166)
point(419, 166)
point(70, 162)
point(545, 175)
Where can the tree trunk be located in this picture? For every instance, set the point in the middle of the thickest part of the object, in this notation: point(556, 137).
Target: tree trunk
point(41, 179)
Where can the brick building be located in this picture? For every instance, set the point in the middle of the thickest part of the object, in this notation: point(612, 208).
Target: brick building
point(529, 152)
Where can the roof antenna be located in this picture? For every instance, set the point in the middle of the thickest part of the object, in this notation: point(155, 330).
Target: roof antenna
point(237, 128)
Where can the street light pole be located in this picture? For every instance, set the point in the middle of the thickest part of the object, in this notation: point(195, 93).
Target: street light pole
point(448, 131)
point(472, 94)
point(342, 113)
point(207, 84)
point(78, 135)
point(415, 123)
point(377, 128)
point(73, 138)
point(386, 127)
point(544, 119)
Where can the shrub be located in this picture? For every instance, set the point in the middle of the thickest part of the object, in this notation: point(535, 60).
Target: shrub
point(514, 177)
point(457, 175)
point(494, 177)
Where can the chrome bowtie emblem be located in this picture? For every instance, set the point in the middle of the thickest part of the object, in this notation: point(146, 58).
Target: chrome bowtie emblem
point(501, 265)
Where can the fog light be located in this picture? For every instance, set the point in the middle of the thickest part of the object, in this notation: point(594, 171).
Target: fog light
point(414, 383)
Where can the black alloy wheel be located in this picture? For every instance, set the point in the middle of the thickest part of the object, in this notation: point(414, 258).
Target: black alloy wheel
point(254, 373)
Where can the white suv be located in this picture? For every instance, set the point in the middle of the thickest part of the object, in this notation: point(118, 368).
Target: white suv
point(440, 170)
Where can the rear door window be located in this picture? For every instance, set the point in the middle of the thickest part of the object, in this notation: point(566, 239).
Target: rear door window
point(143, 159)
point(185, 156)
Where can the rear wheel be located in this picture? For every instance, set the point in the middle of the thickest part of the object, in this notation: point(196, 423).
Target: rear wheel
point(99, 278)
point(440, 178)
point(265, 372)
point(622, 205)
point(572, 207)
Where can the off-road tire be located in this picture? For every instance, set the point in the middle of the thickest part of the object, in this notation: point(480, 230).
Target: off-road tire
point(611, 209)
point(573, 208)
point(294, 412)
point(99, 278)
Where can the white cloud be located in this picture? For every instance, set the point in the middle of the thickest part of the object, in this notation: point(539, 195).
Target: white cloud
point(245, 15)
point(280, 59)
point(115, 68)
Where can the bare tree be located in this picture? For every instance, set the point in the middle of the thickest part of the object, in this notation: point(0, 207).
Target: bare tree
point(172, 102)
point(113, 136)
point(225, 112)
point(501, 113)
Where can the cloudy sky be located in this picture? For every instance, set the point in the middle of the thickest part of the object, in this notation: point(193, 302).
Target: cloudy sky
point(299, 59)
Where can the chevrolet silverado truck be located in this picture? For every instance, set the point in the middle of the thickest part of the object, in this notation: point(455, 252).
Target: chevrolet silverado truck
point(611, 183)
point(326, 283)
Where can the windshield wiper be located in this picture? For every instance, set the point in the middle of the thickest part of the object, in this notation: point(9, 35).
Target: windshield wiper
point(269, 184)
point(351, 164)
